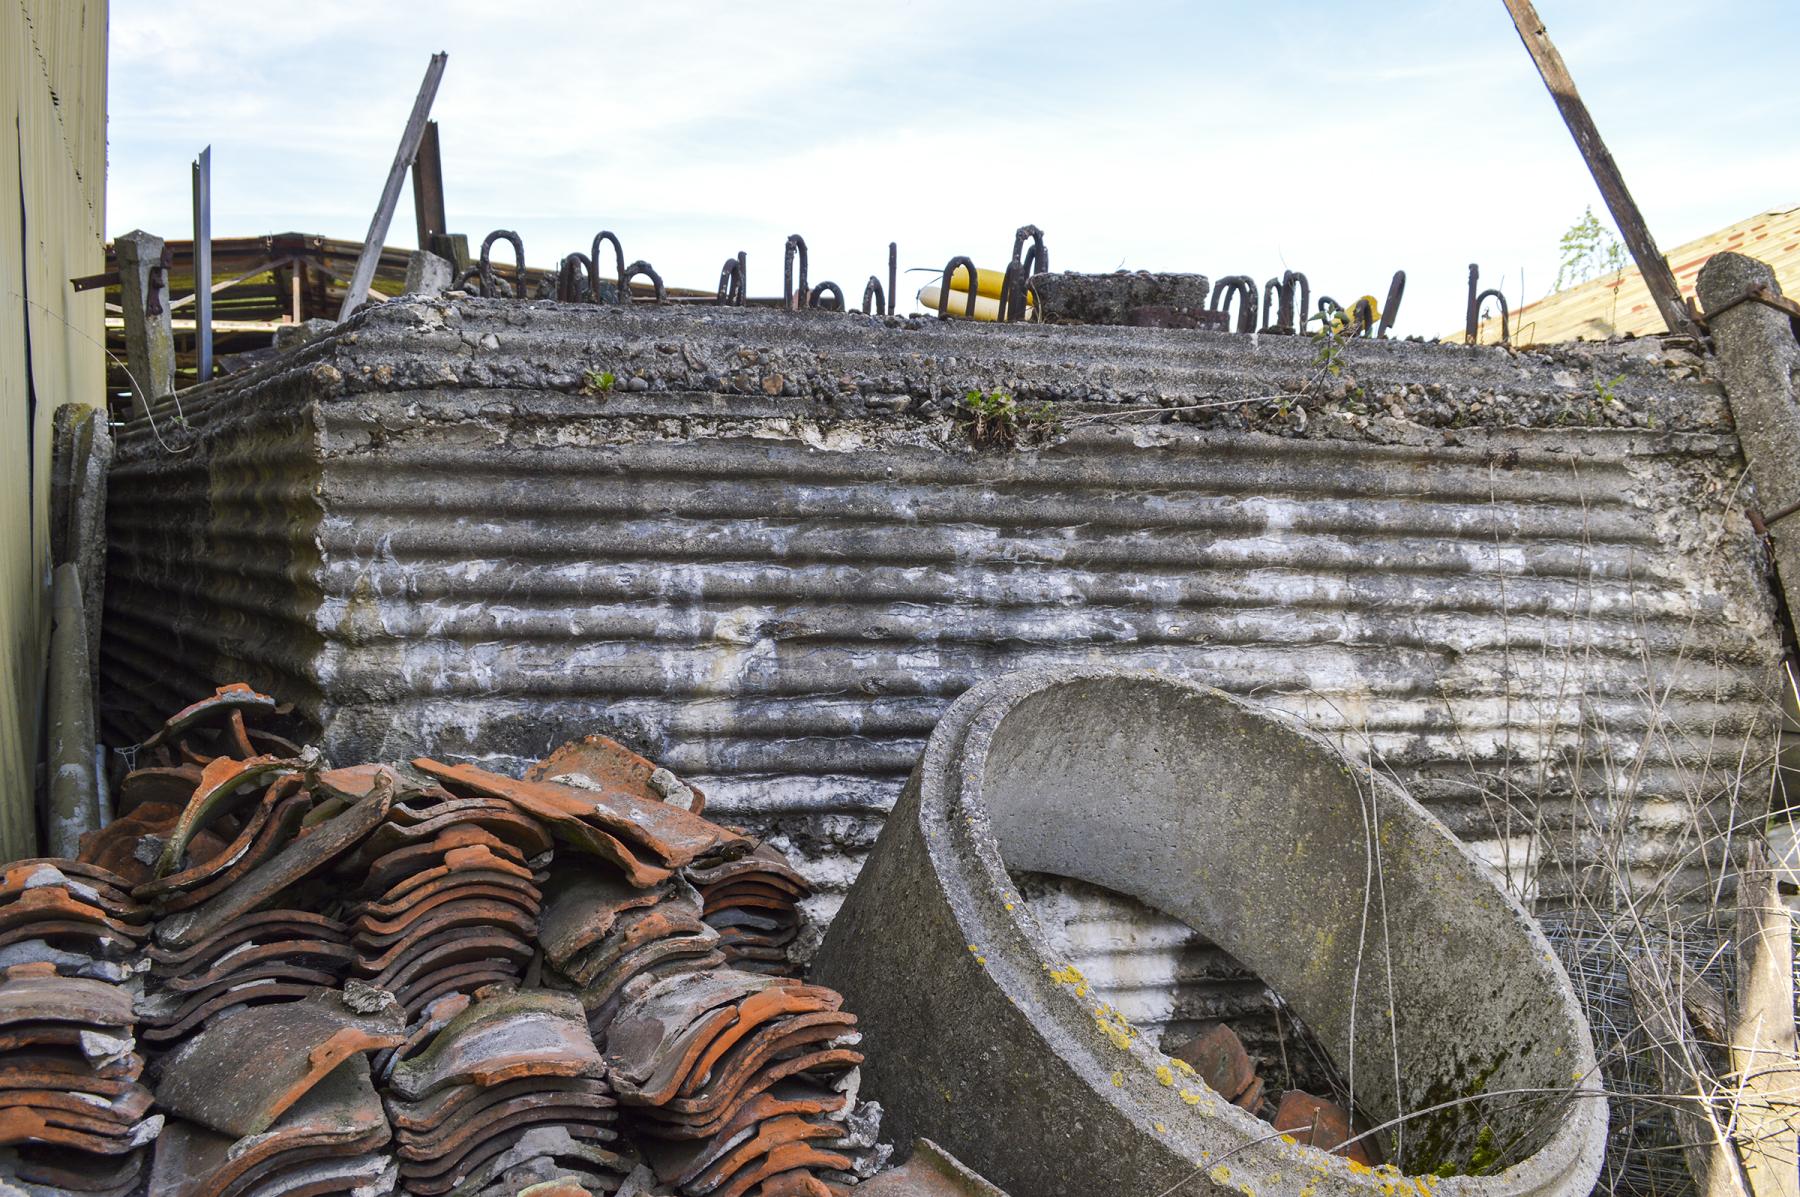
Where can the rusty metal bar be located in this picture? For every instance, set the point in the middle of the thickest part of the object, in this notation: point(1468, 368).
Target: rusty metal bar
point(489, 283)
point(792, 297)
point(943, 310)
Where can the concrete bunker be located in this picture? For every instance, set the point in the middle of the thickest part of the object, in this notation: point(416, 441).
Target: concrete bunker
point(1417, 972)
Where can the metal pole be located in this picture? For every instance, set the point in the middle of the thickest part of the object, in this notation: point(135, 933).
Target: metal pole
point(358, 290)
point(203, 261)
point(1650, 262)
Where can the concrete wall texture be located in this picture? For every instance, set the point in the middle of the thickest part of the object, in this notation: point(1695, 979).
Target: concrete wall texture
point(52, 208)
point(762, 548)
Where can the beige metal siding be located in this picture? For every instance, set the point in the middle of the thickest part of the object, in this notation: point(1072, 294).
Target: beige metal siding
point(52, 209)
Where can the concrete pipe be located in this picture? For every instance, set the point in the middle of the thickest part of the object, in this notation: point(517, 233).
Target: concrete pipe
point(1423, 979)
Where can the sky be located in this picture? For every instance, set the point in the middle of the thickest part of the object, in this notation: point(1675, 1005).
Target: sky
point(1226, 137)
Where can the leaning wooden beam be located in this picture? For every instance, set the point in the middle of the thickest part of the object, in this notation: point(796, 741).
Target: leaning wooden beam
point(1763, 1047)
point(1650, 261)
point(1681, 1072)
point(390, 192)
point(265, 268)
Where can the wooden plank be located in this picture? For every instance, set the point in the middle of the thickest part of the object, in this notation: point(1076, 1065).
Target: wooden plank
point(428, 189)
point(390, 192)
point(1681, 1072)
point(265, 268)
point(1650, 261)
point(1763, 1047)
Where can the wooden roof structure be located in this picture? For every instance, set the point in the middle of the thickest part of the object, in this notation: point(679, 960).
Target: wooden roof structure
point(1617, 305)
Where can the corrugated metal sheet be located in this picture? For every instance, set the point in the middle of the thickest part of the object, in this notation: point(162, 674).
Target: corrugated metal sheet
point(52, 202)
point(427, 536)
point(1620, 304)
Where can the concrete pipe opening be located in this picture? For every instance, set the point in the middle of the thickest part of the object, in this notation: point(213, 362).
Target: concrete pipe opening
point(1427, 984)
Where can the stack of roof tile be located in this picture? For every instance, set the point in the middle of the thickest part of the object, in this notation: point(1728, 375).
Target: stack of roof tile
point(278, 1100)
point(509, 1063)
point(449, 895)
point(73, 1116)
point(222, 916)
point(247, 928)
point(638, 834)
point(598, 933)
point(739, 1083)
point(754, 904)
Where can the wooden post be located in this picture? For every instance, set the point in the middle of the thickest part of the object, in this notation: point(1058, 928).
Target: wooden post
point(1763, 1049)
point(1679, 1067)
point(144, 299)
point(428, 190)
point(358, 290)
point(1650, 262)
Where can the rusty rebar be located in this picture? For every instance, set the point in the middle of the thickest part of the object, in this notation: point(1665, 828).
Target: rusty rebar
point(619, 272)
point(489, 282)
point(793, 298)
point(645, 269)
point(944, 288)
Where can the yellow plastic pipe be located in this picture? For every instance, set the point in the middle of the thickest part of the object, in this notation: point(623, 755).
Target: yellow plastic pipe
point(986, 307)
point(987, 282)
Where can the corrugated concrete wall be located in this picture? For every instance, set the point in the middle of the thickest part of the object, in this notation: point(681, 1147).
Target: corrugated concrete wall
point(52, 208)
point(768, 554)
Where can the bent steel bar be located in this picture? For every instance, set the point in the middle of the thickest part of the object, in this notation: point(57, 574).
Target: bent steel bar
point(731, 282)
point(489, 286)
point(1012, 290)
point(1411, 964)
point(1475, 325)
point(875, 296)
point(944, 288)
point(1244, 288)
point(793, 298)
point(819, 292)
point(619, 267)
point(569, 289)
point(645, 269)
point(1296, 297)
